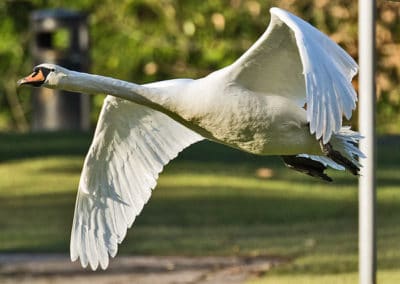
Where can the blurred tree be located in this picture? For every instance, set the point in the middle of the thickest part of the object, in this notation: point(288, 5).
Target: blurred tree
point(14, 60)
point(147, 40)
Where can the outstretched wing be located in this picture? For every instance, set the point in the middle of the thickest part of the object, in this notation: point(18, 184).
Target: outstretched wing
point(295, 60)
point(131, 145)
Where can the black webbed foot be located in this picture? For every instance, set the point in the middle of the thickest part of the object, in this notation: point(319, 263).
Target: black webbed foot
point(307, 166)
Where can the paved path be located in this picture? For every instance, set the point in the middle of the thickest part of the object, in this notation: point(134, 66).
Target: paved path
point(57, 268)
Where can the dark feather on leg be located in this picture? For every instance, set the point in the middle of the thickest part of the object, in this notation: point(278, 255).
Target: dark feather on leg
point(306, 166)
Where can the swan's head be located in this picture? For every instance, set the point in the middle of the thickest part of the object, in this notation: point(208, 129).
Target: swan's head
point(44, 75)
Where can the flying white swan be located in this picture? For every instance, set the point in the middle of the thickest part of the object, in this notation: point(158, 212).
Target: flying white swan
point(285, 96)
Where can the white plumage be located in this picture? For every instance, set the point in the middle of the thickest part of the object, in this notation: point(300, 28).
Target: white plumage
point(130, 147)
point(256, 105)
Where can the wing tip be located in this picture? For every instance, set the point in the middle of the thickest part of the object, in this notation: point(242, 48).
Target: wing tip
point(94, 264)
point(276, 10)
point(280, 13)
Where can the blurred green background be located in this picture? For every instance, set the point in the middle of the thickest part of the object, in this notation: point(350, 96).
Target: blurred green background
point(211, 200)
point(146, 40)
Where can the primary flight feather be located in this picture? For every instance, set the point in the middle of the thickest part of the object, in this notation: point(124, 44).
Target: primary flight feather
point(285, 96)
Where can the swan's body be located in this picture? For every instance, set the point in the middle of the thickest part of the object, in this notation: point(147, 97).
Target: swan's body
point(256, 105)
point(217, 109)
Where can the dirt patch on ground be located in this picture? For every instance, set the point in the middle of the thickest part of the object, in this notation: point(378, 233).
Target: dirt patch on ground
point(57, 268)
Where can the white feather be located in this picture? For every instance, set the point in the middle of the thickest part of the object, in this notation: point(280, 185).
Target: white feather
point(324, 160)
point(107, 203)
point(316, 70)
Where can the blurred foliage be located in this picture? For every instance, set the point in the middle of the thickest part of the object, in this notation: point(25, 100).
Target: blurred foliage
point(148, 40)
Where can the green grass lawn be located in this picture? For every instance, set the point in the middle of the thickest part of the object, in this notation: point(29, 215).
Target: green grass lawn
point(209, 201)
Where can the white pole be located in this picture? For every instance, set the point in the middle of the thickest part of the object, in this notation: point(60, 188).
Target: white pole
point(367, 191)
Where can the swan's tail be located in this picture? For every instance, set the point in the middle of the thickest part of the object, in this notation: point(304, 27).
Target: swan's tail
point(343, 149)
point(341, 153)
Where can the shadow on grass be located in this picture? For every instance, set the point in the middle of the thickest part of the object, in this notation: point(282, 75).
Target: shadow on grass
point(22, 146)
point(39, 222)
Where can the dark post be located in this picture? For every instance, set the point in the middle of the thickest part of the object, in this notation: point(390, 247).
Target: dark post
point(60, 37)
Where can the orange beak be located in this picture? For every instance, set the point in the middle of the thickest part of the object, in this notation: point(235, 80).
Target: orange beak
point(35, 79)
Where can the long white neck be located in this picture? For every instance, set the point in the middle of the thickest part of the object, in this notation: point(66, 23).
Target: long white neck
point(169, 97)
point(156, 95)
